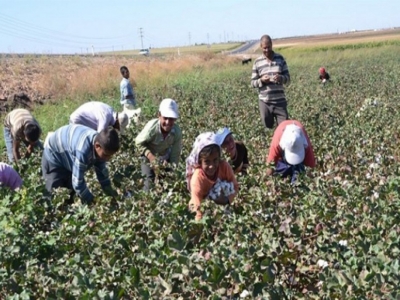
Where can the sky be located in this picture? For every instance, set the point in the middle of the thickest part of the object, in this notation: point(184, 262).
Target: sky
point(86, 26)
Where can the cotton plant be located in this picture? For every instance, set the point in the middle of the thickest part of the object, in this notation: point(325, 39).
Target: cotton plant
point(221, 186)
point(368, 102)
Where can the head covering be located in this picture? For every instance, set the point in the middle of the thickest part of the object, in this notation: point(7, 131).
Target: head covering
point(169, 108)
point(123, 120)
point(192, 162)
point(293, 142)
point(221, 134)
point(9, 177)
point(321, 70)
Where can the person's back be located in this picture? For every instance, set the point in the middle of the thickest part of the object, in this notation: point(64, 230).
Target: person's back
point(95, 115)
point(69, 143)
point(21, 127)
point(70, 151)
point(9, 177)
point(16, 121)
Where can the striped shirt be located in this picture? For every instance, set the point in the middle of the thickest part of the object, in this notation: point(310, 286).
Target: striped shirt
point(270, 92)
point(16, 121)
point(72, 147)
point(95, 115)
point(9, 177)
point(151, 139)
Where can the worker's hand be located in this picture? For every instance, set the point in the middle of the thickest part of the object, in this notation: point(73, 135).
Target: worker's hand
point(151, 157)
point(265, 78)
point(276, 78)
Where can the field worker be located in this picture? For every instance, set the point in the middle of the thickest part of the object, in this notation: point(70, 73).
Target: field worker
point(290, 150)
point(236, 150)
point(21, 126)
point(269, 74)
point(72, 150)
point(160, 142)
point(323, 75)
point(9, 177)
point(128, 98)
point(98, 116)
point(204, 170)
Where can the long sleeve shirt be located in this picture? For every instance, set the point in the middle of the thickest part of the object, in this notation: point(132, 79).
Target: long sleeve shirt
point(275, 151)
point(200, 186)
point(95, 115)
point(9, 177)
point(16, 121)
point(126, 89)
point(270, 92)
point(72, 148)
point(151, 139)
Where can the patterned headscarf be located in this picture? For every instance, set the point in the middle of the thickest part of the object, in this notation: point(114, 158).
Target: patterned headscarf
point(9, 177)
point(192, 162)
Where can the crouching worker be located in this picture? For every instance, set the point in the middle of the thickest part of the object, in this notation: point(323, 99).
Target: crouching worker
point(290, 150)
point(324, 76)
point(21, 127)
point(236, 150)
point(72, 150)
point(159, 143)
point(98, 115)
point(9, 177)
point(209, 176)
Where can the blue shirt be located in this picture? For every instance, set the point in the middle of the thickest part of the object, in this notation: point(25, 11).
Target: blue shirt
point(127, 90)
point(72, 147)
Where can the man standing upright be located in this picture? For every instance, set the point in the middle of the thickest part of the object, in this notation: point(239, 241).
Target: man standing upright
point(269, 74)
point(128, 97)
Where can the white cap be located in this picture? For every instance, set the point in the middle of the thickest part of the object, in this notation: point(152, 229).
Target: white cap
point(294, 143)
point(169, 108)
point(221, 134)
point(123, 121)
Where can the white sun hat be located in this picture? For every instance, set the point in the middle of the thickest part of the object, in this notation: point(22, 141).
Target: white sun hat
point(169, 108)
point(123, 120)
point(293, 142)
point(221, 134)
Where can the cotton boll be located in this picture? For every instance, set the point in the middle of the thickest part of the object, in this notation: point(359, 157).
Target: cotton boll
point(322, 263)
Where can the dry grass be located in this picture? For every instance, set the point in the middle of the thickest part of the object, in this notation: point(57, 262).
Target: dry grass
point(84, 77)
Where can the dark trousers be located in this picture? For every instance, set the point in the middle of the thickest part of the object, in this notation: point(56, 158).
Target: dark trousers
point(284, 170)
point(270, 112)
point(55, 177)
point(149, 174)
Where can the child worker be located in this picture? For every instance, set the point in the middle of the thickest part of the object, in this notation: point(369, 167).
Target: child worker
point(236, 150)
point(291, 150)
point(323, 75)
point(209, 176)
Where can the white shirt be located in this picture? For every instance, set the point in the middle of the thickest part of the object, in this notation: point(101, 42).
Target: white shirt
point(95, 115)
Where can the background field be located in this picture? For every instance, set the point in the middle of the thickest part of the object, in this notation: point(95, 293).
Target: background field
point(149, 247)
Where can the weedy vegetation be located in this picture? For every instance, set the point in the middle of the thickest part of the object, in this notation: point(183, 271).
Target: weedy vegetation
point(334, 235)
